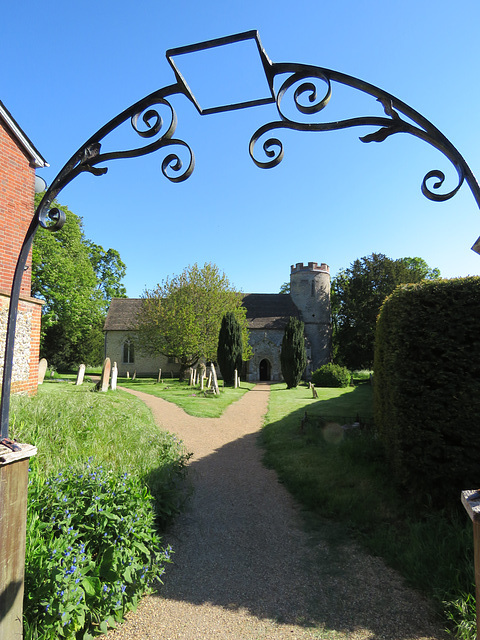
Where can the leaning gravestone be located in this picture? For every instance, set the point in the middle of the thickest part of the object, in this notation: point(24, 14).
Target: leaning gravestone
point(104, 380)
point(159, 379)
point(42, 370)
point(80, 374)
point(113, 383)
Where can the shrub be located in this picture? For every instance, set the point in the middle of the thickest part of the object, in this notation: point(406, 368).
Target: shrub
point(331, 375)
point(427, 386)
point(91, 551)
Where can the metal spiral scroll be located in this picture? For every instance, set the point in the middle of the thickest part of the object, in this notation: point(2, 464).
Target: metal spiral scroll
point(307, 101)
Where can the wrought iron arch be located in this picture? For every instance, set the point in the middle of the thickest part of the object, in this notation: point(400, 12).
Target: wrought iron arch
point(300, 81)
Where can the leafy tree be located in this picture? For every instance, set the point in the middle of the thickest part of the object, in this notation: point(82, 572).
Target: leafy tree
point(230, 348)
point(181, 317)
point(357, 294)
point(109, 270)
point(76, 279)
point(285, 288)
point(293, 357)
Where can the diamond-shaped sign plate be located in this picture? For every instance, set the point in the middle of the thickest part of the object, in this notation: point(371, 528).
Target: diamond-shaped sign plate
point(224, 73)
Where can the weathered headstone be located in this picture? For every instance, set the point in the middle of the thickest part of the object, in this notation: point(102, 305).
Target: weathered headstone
point(159, 379)
point(214, 379)
point(113, 382)
point(314, 391)
point(42, 369)
point(209, 382)
point(80, 374)
point(134, 375)
point(128, 375)
point(201, 375)
point(235, 381)
point(105, 379)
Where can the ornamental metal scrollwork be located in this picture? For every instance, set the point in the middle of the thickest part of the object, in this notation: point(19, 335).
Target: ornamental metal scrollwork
point(147, 122)
point(307, 78)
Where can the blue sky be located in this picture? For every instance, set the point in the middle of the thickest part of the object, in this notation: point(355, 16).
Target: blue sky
point(68, 68)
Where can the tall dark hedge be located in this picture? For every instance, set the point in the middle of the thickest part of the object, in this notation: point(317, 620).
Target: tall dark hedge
point(293, 357)
point(230, 348)
point(427, 386)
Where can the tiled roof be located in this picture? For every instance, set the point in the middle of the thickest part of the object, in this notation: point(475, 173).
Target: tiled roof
point(122, 314)
point(269, 310)
point(264, 311)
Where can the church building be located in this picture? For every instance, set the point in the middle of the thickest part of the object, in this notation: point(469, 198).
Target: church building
point(267, 316)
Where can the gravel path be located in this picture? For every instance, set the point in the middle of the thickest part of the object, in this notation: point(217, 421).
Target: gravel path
point(244, 568)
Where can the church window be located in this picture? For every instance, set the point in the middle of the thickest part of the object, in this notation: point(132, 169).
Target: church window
point(128, 352)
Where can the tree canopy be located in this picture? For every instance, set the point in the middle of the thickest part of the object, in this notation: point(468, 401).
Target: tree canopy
point(357, 294)
point(76, 279)
point(181, 317)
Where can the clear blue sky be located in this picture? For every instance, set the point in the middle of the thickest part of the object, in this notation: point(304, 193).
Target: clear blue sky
point(68, 68)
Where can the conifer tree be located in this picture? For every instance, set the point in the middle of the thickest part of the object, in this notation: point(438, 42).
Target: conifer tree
point(230, 348)
point(293, 357)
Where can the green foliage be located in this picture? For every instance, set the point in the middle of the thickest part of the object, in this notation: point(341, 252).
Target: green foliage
point(427, 386)
point(91, 551)
point(76, 279)
point(293, 357)
point(230, 348)
point(357, 294)
point(68, 424)
point(182, 316)
point(331, 375)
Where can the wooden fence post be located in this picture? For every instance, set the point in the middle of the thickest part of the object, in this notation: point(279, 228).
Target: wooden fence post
point(471, 502)
point(13, 518)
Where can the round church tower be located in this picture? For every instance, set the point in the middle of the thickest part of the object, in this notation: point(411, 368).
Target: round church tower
point(310, 291)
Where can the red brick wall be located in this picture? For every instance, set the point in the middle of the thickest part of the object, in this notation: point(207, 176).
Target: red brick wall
point(17, 190)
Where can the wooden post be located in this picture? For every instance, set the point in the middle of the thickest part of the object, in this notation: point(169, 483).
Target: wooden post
point(471, 502)
point(13, 518)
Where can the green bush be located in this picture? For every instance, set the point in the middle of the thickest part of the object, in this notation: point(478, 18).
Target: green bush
point(427, 386)
point(331, 375)
point(91, 551)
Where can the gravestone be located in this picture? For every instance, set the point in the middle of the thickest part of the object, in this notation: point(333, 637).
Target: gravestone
point(128, 375)
point(235, 382)
point(113, 383)
point(214, 380)
point(42, 370)
point(104, 380)
point(134, 375)
point(80, 374)
point(159, 379)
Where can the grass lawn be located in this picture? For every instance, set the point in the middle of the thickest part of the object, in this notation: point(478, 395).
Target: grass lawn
point(190, 399)
point(341, 475)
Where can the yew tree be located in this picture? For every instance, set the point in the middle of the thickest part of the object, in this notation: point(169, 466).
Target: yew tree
point(230, 348)
point(293, 356)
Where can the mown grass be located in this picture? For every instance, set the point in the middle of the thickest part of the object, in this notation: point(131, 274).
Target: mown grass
point(342, 475)
point(191, 399)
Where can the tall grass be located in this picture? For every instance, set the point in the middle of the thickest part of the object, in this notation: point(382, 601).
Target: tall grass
point(69, 424)
point(341, 474)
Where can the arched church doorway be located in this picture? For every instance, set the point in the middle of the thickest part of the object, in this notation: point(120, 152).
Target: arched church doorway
point(265, 370)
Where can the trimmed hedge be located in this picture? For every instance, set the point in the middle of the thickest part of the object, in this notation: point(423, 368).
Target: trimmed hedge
point(331, 375)
point(427, 386)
